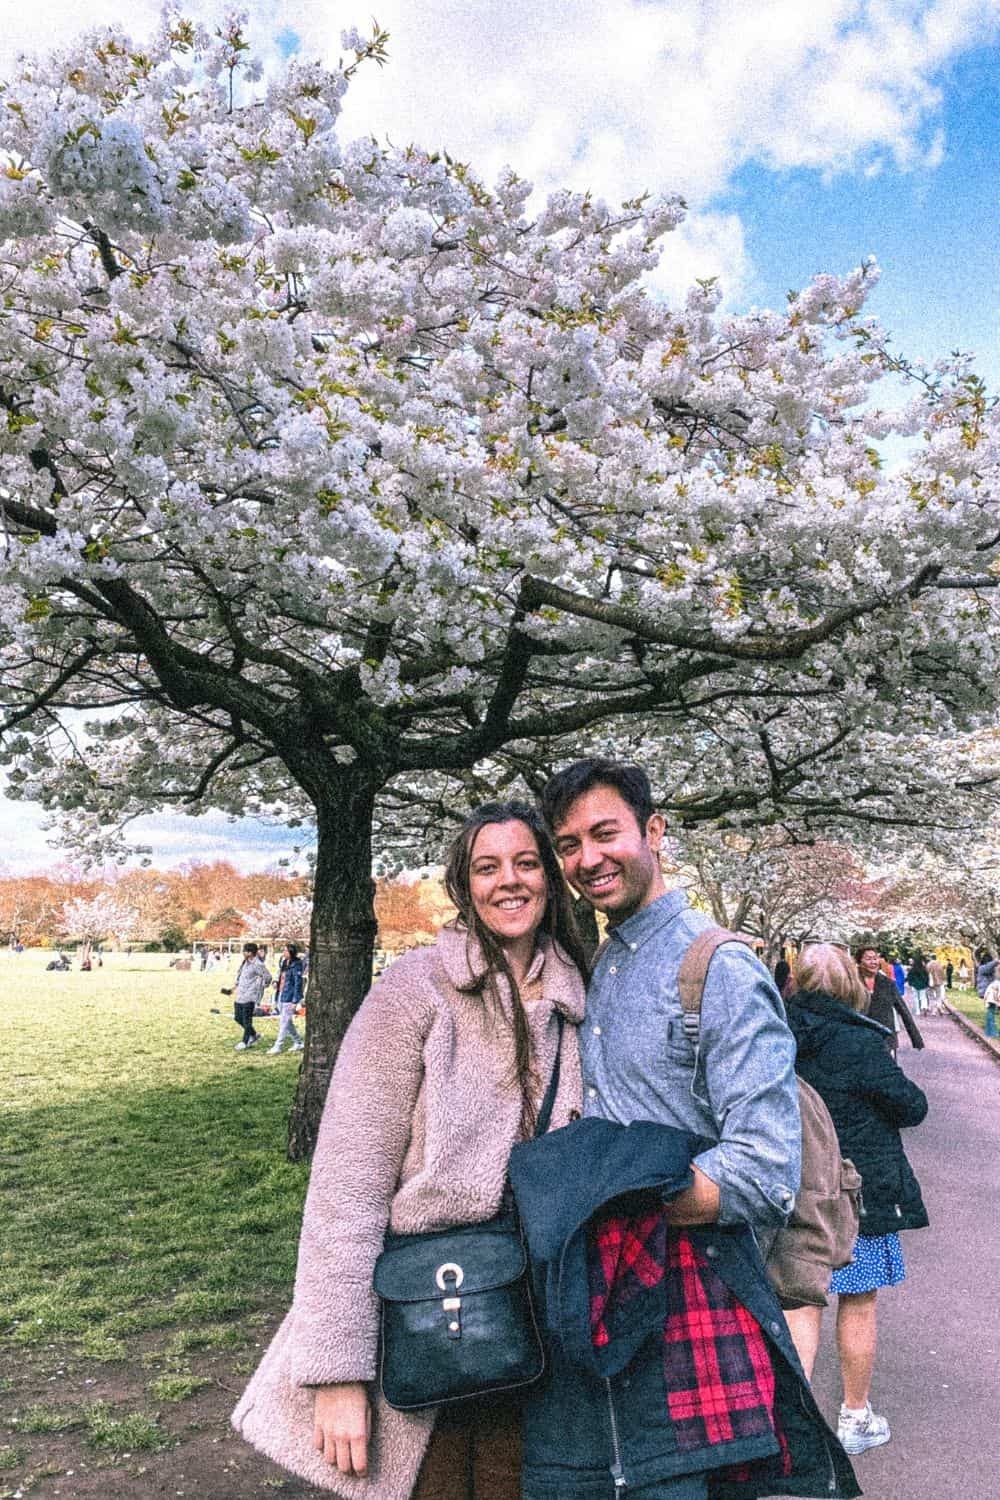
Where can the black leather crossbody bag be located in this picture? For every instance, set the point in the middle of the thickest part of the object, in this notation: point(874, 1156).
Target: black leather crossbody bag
point(457, 1316)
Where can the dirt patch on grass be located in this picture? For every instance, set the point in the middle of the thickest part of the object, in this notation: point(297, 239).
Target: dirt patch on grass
point(77, 1428)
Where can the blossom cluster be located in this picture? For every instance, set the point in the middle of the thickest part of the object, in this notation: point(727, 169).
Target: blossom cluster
point(348, 420)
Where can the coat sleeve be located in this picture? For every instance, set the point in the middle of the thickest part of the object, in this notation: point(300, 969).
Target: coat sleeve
point(909, 1024)
point(747, 1056)
point(359, 1153)
point(887, 1089)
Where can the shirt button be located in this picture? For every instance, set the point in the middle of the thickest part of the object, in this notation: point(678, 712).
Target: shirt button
point(633, 946)
point(597, 1031)
point(711, 1251)
point(613, 970)
point(775, 1329)
point(591, 1093)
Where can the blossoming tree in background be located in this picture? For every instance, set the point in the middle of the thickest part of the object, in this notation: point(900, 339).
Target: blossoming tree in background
point(778, 890)
point(335, 480)
point(99, 920)
point(285, 920)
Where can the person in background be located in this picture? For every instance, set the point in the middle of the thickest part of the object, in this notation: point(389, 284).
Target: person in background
point(918, 981)
point(899, 976)
point(986, 968)
point(885, 1002)
point(289, 995)
point(252, 979)
point(992, 1001)
point(842, 1054)
point(935, 990)
point(963, 974)
point(949, 974)
point(783, 980)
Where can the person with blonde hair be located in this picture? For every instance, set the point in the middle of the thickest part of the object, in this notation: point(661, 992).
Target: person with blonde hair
point(842, 1053)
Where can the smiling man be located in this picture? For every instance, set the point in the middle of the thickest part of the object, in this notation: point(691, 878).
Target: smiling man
point(734, 1084)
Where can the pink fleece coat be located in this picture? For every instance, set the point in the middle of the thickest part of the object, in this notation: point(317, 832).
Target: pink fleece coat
point(417, 1130)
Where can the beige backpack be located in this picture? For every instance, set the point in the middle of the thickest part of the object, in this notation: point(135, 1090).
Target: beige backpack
point(820, 1234)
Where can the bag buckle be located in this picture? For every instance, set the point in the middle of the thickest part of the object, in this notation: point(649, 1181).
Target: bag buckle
point(451, 1305)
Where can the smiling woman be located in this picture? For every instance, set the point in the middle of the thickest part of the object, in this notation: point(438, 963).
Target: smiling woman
point(443, 1069)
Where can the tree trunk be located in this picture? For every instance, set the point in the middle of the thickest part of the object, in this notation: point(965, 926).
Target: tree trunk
point(341, 943)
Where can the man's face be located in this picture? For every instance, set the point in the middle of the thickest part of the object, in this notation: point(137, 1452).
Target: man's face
point(607, 858)
point(869, 963)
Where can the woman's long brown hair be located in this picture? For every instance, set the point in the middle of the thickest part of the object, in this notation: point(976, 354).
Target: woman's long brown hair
point(558, 923)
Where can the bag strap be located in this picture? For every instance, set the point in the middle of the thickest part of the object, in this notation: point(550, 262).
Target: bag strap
point(693, 972)
point(545, 1113)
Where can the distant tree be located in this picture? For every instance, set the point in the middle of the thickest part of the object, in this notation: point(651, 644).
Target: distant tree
point(99, 920)
point(286, 919)
point(776, 888)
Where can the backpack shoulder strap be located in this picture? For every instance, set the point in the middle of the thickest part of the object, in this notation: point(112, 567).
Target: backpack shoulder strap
point(693, 972)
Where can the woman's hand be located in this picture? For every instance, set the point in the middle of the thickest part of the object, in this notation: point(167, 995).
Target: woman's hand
point(342, 1426)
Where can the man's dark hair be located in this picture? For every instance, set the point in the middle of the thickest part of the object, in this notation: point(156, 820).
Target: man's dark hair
point(630, 782)
point(250, 948)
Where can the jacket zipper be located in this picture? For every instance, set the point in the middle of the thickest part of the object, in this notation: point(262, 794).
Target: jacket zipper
point(617, 1472)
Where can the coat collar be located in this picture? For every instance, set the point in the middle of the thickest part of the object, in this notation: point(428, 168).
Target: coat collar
point(461, 958)
point(819, 1003)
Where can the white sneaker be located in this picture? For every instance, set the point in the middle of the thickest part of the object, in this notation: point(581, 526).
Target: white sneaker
point(297, 1046)
point(273, 1051)
point(856, 1433)
point(240, 1047)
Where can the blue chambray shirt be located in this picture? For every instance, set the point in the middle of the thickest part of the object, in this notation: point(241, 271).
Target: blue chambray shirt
point(735, 1086)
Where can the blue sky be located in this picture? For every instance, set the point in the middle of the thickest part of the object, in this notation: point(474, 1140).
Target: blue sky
point(803, 137)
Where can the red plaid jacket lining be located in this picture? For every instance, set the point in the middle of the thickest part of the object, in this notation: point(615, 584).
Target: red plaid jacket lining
point(718, 1377)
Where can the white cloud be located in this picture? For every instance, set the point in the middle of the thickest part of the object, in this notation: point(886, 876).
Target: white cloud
point(249, 845)
point(622, 95)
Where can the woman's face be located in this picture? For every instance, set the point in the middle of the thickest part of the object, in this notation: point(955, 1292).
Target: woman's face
point(507, 881)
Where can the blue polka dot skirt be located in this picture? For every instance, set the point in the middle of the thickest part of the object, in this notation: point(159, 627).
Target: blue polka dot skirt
point(878, 1261)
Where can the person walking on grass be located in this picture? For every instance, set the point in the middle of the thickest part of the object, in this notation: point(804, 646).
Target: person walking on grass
point(252, 979)
point(289, 995)
point(842, 1053)
point(986, 968)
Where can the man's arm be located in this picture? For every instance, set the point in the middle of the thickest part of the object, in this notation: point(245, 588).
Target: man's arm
point(698, 1204)
point(747, 1074)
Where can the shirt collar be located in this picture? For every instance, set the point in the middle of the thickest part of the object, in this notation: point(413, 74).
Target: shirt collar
point(648, 920)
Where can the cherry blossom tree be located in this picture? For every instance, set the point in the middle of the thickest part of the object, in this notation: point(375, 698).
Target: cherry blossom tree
point(775, 887)
point(288, 918)
point(336, 482)
point(97, 920)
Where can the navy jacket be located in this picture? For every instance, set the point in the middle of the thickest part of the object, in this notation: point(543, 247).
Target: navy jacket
point(291, 990)
point(603, 1412)
point(843, 1055)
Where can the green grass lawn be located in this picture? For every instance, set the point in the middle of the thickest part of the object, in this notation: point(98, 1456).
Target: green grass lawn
point(969, 1003)
point(149, 1216)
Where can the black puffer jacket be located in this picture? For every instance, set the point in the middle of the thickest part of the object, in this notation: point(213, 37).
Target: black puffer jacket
point(843, 1055)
